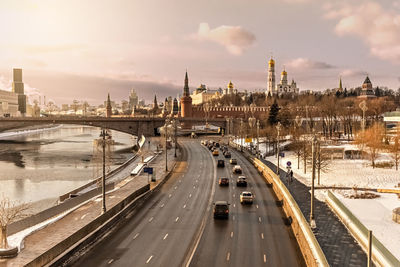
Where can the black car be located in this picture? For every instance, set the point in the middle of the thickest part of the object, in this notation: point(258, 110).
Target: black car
point(221, 163)
point(227, 154)
point(221, 210)
point(223, 181)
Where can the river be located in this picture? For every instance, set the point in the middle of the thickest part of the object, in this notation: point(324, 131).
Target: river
point(39, 166)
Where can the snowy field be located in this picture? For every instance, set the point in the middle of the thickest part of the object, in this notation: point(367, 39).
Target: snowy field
point(375, 214)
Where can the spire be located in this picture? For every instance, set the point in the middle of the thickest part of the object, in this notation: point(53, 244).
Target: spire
point(108, 101)
point(186, 87)
point(155, 104)
point(340, 83)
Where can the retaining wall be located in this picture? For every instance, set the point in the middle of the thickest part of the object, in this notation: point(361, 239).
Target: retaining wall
point(380, 254)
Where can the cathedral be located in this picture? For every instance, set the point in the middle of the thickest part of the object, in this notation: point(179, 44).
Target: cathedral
point(283, 87)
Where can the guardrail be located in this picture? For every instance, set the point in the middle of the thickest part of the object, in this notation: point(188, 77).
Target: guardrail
point(309, 246)
point(380, 254)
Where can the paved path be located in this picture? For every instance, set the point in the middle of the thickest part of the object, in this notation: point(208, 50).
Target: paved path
point(339, 246)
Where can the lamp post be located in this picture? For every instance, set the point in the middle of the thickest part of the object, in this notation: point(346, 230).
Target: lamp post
point(252, 123)
point(363, 107)
point(176, 136)
point(166, 149)
point(241, 134)
point(313, 151)
point(103, 182)
point(258, 135)
point(278, 128)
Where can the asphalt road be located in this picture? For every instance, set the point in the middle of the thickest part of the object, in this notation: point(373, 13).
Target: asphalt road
point(161, 232)
point(177, 225)
point(254, 235)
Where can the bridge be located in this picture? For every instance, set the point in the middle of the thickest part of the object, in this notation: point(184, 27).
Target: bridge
point(131, 125)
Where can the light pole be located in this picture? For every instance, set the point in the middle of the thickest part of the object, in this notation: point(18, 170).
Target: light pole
point(176, 136)
point(241, 134)
point(278, 128)
point(166, 148)
point(313, 151)
point(258, 135)
point(103, 182)
point(252, 123)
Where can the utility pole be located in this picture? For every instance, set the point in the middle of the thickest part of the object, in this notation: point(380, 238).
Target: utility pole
point(241, 134)
point(166, 148)
point(176, 136)
point(258, 135)
point(278, 128)
point(313, 151)
point(103, 133)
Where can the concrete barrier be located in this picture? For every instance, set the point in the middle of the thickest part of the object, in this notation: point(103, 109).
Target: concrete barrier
point(53, 211)
point(380, 254)
point(309, 246)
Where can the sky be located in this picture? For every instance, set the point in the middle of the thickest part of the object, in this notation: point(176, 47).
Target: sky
point(73, 49)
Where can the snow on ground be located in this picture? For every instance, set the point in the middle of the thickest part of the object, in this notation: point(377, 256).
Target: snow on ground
point(26, 132)
point(375, 214)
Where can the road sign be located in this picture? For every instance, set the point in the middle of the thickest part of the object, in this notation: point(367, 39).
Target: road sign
point(289, 163)
point(148, 170)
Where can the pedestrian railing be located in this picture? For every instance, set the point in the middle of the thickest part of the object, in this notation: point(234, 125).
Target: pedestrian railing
point(380, 254)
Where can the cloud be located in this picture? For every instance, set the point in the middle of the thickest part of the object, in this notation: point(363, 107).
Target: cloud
point(298, 1)
point(369, 21)
point(234, 38)
point(305, 63)
point(353, 73)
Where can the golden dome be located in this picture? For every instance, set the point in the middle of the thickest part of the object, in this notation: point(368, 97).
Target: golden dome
point(230, 85)
point(271, 62)
point(284, 72)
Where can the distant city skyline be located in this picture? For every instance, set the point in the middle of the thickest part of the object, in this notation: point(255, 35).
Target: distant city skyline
point(71, 50)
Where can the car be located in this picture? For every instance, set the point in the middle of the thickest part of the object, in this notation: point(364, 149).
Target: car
point(221, 210)
point(227, 154)
point(237, 169)
point(233, 161)
point(246, 197)
point(223, 181)
point(215, 153)
point(241, 181)
point(217, 144)
point(221, 163)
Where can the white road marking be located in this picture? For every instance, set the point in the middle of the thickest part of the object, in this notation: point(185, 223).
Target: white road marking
point(149, 259)
point(231, 234)
point(190, 195)
point(151, 219)
point(262, 235)
point(197, 181)
point(169, 195)
point(175, 187)
point(228, 256)
point(165, 237)
point(234, 205)
point(257, 206)
point(194, 187)
point(184, 206)
point(259, 219)
point(233, 195)
point(265, 258)
point(110, 261)
point(177, 218)
point(233, 217)
point(136, 236)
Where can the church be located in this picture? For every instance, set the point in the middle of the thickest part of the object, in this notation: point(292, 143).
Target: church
point(283, 87)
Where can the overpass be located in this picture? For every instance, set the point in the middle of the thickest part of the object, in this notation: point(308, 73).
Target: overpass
point(131, 125)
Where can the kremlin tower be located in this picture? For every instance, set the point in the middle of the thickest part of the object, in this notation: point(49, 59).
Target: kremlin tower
point(271, 77)
point(186, 100)
point(108, 107)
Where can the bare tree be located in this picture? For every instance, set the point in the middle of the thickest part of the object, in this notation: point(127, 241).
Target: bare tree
point(323, 161)
point(394, 148)
point(305, 154)
point(10, 211)
point(374, 141)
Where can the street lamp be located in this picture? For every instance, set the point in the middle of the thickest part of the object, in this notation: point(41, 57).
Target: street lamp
point(278, 128)
point(313, 151)
point(363, 107)
point(258, 135)
point(176, 136)
point(103, 182)
point(241, 134)
point(166, 148)
point(252, 123)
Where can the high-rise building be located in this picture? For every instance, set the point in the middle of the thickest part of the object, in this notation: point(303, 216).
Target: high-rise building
point(271, 77)
point(18, 88)
point(133, 99)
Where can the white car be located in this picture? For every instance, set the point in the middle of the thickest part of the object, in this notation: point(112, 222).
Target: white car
point(237, 169)
point(246, 197)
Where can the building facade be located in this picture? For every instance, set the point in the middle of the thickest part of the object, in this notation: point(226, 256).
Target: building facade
point(271, 90)
point(8, 104)
point(284, 87)
point(18, 88)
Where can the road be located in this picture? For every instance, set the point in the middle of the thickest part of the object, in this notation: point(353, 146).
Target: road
point(162, 231)
point(179, 217)
point(254, 235)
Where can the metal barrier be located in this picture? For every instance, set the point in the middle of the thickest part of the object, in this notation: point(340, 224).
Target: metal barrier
point(380, 254)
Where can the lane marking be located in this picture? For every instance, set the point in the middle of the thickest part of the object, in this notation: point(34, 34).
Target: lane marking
point(175, 187)
point(190, 195)
point(110, 261)
point(151, 219)
point(194, 187)
point(265, 258)
point(231, 234)
point(177, 218)
point(136, 236)
point(259, 219)
point(233, 217)
point(170, 196)
point(234, 205)
point(162, 205)
point(197, 181)
point(262, 235)
point(228, 256)
point(149, 259)
point(257, 206)
point(180, 181)
point(184, 206)
point(233, 195)
point(165, 237)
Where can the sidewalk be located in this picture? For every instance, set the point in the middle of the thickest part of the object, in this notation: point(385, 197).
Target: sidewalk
point(339, 247)
point(42, 240)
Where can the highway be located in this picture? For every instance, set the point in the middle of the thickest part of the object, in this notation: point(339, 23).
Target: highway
point(254, 235)
point(176, 224)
